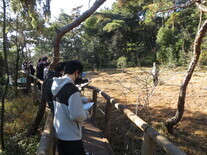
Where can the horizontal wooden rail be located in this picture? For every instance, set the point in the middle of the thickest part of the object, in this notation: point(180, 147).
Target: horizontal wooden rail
point(159, 139)
point(40, 81)
point(47, 141)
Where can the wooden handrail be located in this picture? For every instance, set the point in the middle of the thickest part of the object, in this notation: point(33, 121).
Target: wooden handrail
point(47, 141)
point(159, 139)
point(40, 81)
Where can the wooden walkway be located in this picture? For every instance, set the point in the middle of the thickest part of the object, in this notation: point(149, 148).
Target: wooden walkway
point(94, 141)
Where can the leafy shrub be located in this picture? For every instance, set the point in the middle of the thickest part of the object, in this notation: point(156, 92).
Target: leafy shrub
point(20, 144)
point(122, 62)
point(19, 114)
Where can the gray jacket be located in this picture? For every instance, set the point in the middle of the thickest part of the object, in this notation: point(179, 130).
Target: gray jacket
point(68, 109)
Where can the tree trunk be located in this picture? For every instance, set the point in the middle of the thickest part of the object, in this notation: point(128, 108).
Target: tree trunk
point(67, 28)
point(181, 100)
point(41, 111)
point(1, 65)
point(16, 72)
point(7, 79)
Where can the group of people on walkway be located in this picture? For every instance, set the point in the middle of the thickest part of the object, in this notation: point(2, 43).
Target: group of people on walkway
point(65, 101)
point(27, 67)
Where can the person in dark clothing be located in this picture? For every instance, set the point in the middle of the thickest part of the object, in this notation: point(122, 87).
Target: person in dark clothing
point(40, 70)
point(31, 70)
point(58, 72)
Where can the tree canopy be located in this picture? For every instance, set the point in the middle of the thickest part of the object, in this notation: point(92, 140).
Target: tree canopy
point(143, 31)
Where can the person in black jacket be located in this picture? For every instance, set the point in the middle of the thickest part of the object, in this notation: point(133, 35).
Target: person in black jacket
point(40, 70)
point(31, 70)
point(58, 72)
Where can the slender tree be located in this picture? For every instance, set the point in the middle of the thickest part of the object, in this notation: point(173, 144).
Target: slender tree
point(7, 76)
point(170, 123)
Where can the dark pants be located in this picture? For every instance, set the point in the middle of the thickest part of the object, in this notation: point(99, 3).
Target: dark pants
point(39, 86)
point(70, 147)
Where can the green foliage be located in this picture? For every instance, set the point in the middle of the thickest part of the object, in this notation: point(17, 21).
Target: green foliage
point(135, 29)
point(115, 25)
point(19, 114)
point(20, 144)
point(175, 38)
point(15, 5)
point(184, 58)
point(164, 36)
point(90, 25)
point(166, 56)
point(122, 62)
point(203, 56)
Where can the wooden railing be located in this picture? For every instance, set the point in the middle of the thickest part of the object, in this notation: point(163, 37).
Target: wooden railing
point(151, 136)
point(47, 142)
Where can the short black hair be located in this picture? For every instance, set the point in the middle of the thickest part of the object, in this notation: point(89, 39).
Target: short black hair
point(44, 59)
point(72, 66)
point(60, 66)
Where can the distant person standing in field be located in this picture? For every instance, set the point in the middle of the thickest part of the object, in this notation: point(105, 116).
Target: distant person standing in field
point(155, 73)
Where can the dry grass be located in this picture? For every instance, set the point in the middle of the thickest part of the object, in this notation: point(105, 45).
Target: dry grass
point(132, 87)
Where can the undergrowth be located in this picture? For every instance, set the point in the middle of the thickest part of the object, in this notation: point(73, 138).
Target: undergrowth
point(19, 114)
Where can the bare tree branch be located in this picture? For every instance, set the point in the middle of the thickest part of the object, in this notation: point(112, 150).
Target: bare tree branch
point(201, 6)
point(67, 28)
point(189, 3)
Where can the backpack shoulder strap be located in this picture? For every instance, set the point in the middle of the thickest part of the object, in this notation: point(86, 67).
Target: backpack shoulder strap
point(65, 92)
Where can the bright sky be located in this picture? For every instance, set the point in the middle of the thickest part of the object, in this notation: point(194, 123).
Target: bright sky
point(68, 5)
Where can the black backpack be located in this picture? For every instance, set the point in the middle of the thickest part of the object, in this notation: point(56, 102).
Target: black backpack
point(47, 88)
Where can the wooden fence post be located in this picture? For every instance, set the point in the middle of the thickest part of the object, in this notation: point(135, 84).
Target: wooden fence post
point(94, 105)
point(107, 131)
point(28, 83)
point(147, 145)
point(35, 87)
